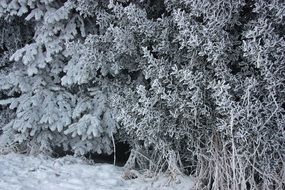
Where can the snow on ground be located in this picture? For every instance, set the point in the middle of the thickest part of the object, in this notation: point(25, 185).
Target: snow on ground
point(20, 172)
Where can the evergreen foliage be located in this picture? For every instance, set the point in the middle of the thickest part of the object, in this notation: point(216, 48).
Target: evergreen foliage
point(194, 86)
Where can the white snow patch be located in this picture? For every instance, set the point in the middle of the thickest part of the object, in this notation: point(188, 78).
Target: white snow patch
point(20, 172)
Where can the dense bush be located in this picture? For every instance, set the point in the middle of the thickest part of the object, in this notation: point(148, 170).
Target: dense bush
point(195, 87)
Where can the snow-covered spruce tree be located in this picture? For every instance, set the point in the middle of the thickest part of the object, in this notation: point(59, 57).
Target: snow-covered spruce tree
point(50, 110)
point(13, 35)
point(193, 86)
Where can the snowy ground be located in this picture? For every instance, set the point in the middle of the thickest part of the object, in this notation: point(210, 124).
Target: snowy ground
point(19, 172)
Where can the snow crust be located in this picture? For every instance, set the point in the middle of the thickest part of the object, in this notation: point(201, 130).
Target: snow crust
point(20, 172)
